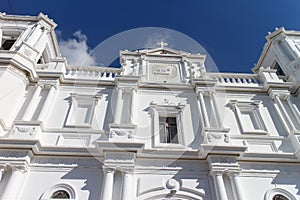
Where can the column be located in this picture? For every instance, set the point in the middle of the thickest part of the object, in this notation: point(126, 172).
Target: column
point(236, 185)
point(219, 185)
point(108, 184)
point(2, 171)
point(295, 111)
point(117, 110)
point(133, 107)
point(127, 186)
point(238, 115)
point(49, 100)
point(203, 109)
point(216, 110)
point(32, 104)
point(285, 114)
point(15, 183)
point(40, 43)
point(34, 35)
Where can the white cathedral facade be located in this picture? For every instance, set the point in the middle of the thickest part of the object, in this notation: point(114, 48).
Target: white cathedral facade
point(160, 127)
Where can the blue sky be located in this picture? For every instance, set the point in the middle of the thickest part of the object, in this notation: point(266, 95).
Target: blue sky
point(232, 32)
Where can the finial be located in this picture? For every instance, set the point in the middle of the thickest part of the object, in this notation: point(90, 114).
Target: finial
point(162, 44)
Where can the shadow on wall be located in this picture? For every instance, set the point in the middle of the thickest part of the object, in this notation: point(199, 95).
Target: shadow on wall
point(184, 185)
point(287, 180)
point(92, 177)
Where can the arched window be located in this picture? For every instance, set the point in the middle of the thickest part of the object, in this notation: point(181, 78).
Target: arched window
point(59, 191)
point(60, 194)
point(279, 197)
point(278, 194)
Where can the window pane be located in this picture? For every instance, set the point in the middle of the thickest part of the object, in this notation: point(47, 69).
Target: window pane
point(279, 197)
point(7, 44)
point(162, 133)
point(60, 194)
point(168, 130)
point(279, 70)
point(173, 134)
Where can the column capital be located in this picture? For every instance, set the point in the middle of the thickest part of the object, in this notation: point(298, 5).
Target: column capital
point(20, 168)
point(282, 94)
point(127, 171)
point(48, 83)
point(233, 173)
point(109, 170)
point(3, 167)
point(216, 172)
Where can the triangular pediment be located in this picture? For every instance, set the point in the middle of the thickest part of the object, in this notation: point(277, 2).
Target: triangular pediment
point(162, 51)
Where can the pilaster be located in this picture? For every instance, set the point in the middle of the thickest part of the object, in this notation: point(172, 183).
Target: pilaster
point(127, 189)
point(15, 183)
point(221, 166)
point(49, 101)
point(108, 183)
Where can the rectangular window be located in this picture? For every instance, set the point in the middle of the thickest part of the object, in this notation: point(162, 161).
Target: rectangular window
point(7, 44)
point(167, 125)
point(279, 70)
point(168, 130)
point(8, 38)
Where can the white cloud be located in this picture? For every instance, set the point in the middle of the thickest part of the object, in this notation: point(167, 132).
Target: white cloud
point(155, 38)
point(76, 50)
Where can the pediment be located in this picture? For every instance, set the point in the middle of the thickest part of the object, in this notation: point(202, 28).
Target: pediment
point(162, 65)
point(163, 50)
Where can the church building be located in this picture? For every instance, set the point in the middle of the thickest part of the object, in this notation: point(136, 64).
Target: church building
point(161, 127)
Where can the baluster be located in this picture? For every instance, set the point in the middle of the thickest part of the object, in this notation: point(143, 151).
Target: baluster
point(233, 80)
point(222, 80)
point(250, 80)
point(110, 75)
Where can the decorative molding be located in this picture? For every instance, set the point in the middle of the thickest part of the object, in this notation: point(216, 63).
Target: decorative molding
point(123, 161)
point(121, 132)
point(217, 138)
point(88, 104)
point(248, 113)
point(223, 164)
point(24, 130)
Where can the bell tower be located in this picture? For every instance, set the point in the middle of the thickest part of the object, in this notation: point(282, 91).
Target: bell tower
point(281, 53)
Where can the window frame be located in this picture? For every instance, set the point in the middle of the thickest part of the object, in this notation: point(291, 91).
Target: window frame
point(62, 186)
point(7, 34)
point(271, 193)
point(278, 69)
point(167, 110)
point(251, 107)
point(87, 101)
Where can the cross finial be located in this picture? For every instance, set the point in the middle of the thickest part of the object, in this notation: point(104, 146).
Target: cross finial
point(162, 44)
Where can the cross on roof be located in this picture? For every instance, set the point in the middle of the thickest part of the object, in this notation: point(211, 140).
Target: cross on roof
point(162, 44)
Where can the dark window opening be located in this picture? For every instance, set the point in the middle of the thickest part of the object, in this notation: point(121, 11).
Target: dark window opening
point(60, 194)
point(279, 197)
point(168, 130)
point(7, 44)
point(40, 61)
point(279, 70)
